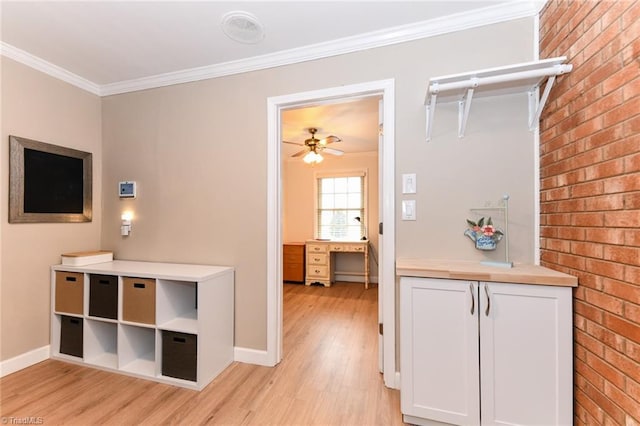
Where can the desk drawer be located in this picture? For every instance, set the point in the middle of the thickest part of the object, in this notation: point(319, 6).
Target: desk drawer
point(317, 271)
point(337, 247)
point(317, 259)
point(356, 247)
point(293, 250)
point(317, 248)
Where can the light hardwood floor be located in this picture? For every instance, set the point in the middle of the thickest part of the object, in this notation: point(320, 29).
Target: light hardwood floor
point(328, 376)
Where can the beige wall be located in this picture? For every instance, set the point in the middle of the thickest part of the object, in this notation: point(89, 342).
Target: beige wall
point(40, 107)
point(198, 153)
point(298, 202)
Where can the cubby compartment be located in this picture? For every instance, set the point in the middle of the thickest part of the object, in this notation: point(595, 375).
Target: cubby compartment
point(179, 355)
point(101, 343)
point(139, 300)
point(136, 350)
point(69, 292)
point(178, 306)
point(71, 335)
point(103, 296)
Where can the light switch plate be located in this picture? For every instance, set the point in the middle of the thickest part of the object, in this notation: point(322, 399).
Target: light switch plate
point(408, 209)
point(409, 183)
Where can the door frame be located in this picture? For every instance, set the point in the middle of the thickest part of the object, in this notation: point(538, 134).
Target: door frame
point(386, 271)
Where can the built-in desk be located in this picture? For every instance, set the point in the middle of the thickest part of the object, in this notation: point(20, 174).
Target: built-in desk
point(319, 259)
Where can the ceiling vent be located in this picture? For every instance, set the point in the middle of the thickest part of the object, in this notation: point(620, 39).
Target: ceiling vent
point(242, 27)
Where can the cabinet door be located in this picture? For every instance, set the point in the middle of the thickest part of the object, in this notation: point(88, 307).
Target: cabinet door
point(526, 354)
point(439, 350)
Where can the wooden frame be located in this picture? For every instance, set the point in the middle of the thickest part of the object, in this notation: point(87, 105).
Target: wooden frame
point(17, 213)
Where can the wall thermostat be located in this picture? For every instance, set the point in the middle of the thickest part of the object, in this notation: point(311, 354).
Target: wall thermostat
point(127, 189)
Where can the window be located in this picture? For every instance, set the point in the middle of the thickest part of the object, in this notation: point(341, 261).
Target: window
point(340, 200)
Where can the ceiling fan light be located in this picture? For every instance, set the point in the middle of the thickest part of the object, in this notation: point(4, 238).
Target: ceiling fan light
point(312, 157)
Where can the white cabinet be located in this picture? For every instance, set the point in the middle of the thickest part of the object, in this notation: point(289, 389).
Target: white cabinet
point(485, 353)
point(172, 323)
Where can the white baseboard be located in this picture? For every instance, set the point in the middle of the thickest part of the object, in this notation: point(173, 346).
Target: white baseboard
point(251, 356)
point(25, 360)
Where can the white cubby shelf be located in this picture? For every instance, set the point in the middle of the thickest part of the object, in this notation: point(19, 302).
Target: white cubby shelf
point(195, 300)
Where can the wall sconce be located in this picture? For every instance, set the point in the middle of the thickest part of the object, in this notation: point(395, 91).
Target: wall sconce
point(125, 228)
point(364, 237)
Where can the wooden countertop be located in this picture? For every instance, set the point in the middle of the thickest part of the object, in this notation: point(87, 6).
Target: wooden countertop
point(471, 270)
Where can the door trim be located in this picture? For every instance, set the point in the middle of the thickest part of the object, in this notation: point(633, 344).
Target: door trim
point(275, 105)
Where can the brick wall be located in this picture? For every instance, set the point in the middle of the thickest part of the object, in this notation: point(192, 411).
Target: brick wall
point(590, 196)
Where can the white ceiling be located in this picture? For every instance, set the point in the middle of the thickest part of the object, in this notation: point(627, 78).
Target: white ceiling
point(110, 47)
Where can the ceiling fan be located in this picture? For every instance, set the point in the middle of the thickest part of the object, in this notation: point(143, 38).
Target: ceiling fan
point(313, 147)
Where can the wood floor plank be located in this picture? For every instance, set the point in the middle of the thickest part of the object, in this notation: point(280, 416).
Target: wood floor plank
point(328, 376)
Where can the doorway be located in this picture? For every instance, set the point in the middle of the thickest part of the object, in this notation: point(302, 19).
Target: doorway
point(386, 287)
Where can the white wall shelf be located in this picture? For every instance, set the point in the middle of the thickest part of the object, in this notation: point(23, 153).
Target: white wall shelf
point(462, 88)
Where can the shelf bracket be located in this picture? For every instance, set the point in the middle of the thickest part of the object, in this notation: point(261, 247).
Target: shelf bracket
point(431, 109)
point(535, 106)
point(464, 105)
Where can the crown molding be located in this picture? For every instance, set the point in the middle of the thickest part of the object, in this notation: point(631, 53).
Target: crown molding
point(53, 70)
point(400, 34)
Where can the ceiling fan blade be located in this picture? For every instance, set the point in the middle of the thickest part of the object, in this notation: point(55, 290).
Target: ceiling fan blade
point(328, 140)
point(300, 153)
point(333, 151)
point(293, 143)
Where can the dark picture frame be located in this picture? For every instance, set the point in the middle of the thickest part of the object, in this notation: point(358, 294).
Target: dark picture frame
point(48, 183)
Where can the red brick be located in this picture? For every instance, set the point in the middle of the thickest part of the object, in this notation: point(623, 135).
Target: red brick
point(590, 280)
point(603, 74)
point(631, 15)
point(622, 400)
point(587, 189)
point(605, 268)
point(621, 290)
point(626, 255)
point(604, 301)
point(632, 238)
point(606, 103)
point(604, 202)
point(605, 235)
point(606, 36)
point(603, 137)
point(620, 148)
point(587, 372)
point(620, 77)
point(586, 249)
point(609, 338)
point(590, 343)
point(604, 369)
point(571, 261)
point(631, 89)
point(571, 233)
point(605, 169)
point(625, 183)
point(632, 312)
point(632, 350)
point(558, 245)
point(556, 194)
point(632, 163)
point(633, 389)
point(558, 219)
point(631, 126)
point(624, 218)
point(632, 275)
point(587, 219)
point(605, 403)
point(587, 410)
point(632, 201)
point(571, 178)
point(626, 329)
point(631, 52)
point(622, 112)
